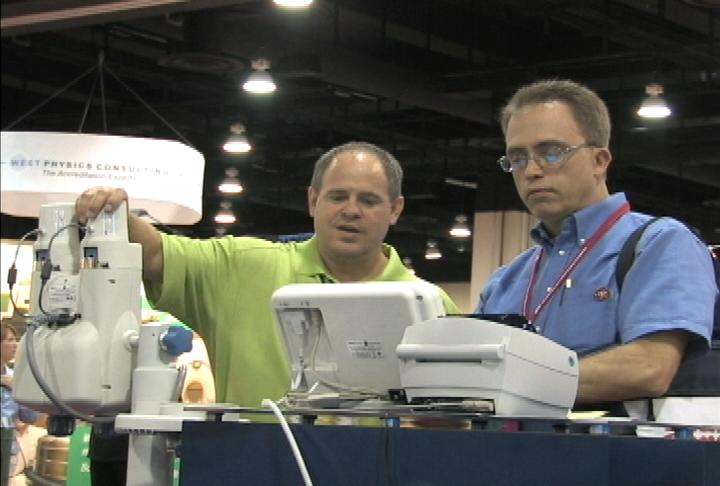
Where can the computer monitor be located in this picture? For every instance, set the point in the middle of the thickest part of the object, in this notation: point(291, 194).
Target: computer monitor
point(341, 338)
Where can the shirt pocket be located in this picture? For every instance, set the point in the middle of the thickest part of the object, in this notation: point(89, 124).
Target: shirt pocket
point(584, 315)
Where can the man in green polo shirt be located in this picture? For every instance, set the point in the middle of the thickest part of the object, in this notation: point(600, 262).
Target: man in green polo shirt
point(221, 287)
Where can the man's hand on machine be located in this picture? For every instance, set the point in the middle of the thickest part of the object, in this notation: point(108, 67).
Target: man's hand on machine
point(91, 202)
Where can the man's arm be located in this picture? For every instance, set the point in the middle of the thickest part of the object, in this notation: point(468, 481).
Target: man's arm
point(644, 367)
point(93, 201)
point(6, 381)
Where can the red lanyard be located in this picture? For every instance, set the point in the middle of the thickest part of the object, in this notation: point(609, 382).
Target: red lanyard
point(531, 314)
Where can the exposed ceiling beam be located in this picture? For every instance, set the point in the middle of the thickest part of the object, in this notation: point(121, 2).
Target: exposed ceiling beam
point(43, 15)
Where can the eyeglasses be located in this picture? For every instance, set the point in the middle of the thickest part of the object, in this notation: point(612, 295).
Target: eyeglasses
point(546, 155)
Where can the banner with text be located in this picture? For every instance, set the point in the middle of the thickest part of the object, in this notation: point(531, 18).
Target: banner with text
point(163, 177)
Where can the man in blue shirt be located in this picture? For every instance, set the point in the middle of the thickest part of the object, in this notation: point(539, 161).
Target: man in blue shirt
point(631, 344)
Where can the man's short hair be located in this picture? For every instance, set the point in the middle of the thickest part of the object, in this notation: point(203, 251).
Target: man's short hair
point(393, 171)
point(588, 108)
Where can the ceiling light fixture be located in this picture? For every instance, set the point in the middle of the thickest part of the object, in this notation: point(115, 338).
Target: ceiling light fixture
point(225, 215)
point(407, 261)
point(654, 106)
point(432, 252)
point(293, 3)
point(238, 142)
point(231, 183)
point(259, 81)
point(460, 229)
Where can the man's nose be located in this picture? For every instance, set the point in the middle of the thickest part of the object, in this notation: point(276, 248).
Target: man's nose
point(351, 207)
point(533, 167)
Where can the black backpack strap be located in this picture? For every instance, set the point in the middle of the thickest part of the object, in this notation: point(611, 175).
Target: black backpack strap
point(696, 377)
point(626, 257)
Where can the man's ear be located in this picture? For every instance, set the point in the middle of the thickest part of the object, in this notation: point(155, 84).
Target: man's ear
point(312, 200)
point(603, 157)
point(396, 209)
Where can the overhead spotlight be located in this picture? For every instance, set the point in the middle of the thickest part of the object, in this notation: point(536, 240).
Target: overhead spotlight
point(460, 229)
point(237, 143)
point(293, 3)
point(259, 81)
point(432, 252)
point(407, 261)
point(225, 215)
point(654, 106)
point(461, 247)
point(231, 183)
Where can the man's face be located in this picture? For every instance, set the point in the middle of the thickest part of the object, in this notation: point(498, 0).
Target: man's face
point(352, 210)
point(553, 193)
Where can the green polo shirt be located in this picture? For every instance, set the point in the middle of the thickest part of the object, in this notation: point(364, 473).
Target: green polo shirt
point(222, 287)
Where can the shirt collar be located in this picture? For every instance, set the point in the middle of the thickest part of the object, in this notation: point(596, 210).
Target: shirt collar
point(582, 224)
point(311, 264)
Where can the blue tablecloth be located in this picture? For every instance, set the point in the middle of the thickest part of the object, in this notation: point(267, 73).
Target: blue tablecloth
point(223, 453)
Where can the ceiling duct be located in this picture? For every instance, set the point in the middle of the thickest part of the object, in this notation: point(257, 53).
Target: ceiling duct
point(709, 4)
point(201, 49)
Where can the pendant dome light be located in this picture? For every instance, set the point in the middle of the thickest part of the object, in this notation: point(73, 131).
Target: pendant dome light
point(225, 215)
point(654, 106)
point(237, 143)
point(231, 184)
point(460, 228)
point(432, 252)
point(259, 81)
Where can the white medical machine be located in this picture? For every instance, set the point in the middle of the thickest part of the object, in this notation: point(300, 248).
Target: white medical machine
point(341, 338)
point(392, 341)
point(462, 358)
point(89, 295)
point(85, 355)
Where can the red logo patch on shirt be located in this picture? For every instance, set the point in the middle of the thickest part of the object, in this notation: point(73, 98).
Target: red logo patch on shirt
point(603, 293)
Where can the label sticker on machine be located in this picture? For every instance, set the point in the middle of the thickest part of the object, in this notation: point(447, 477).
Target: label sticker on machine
point(61, 291)
point(365, 349)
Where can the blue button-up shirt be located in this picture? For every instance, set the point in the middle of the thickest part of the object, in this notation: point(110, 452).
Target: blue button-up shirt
point(670, 285)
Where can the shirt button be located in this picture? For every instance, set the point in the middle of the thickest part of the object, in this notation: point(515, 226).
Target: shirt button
point(582, 241)
point(561, 252)
point(549, 289)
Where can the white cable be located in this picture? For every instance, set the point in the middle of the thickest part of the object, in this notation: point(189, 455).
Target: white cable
point(291, 440)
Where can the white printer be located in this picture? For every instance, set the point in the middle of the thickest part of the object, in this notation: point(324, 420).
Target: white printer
point(521, 372)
